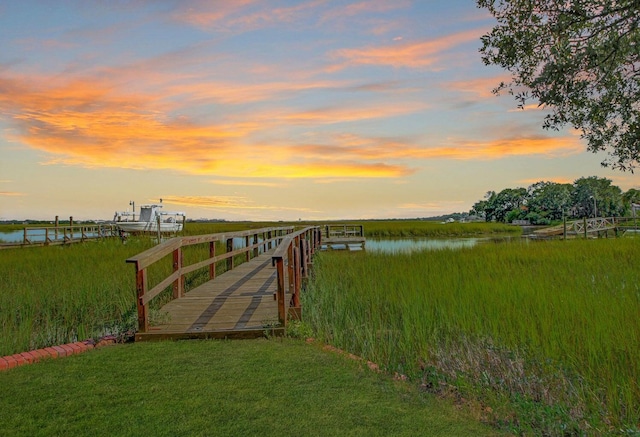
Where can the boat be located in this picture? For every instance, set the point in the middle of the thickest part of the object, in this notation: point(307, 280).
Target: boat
point(151, 216)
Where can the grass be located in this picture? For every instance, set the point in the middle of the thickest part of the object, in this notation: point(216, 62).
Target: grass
point(57, 294)
point(261, 387)
point(423, 228)
point(547, 333)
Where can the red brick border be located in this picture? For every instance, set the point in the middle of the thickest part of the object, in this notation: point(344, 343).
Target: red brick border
point(63, 350)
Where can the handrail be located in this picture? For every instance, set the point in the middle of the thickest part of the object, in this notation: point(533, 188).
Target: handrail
point(47, 235)
point(174, 246)
point(337, 230)
point(296, 251)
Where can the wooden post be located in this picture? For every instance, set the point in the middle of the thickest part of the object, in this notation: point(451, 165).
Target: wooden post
point(280, 293)
point(229, 249)
point(290, 268)
point(141, 288)
point(178, 285)
point(304, 257)
point(246, 246)
point(159, 232)
point(564, 227)
point(584, 222)
point(212, 254)
point(298, 278)
point(256, 252)
point(56, 228)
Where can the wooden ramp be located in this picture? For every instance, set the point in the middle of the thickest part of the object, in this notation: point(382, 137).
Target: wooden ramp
point(255, 297)
point(239, 303)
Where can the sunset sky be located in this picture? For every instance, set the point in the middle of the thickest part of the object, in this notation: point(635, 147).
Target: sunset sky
point(263, 110)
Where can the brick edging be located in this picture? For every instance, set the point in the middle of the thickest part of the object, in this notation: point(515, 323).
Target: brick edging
point(64, 350)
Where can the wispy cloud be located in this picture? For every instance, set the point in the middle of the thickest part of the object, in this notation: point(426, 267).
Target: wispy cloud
point(225, 203)
point(11, 194)
point(506, 147)
point(422, 54)
point(240, 15)
point(245, 183)
point(556, 179)
point(481, 87)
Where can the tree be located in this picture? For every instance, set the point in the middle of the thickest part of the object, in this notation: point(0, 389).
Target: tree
point(578, 58)
point(504, 206)
point(548, 201)
point(630, 197)
point(596, 196)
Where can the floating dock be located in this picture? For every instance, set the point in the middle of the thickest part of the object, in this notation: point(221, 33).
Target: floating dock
point(343, 237)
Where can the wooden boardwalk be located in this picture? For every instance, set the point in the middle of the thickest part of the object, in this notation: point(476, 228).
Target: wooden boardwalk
point(238, 303)
point(258, 292)
point(588, 226)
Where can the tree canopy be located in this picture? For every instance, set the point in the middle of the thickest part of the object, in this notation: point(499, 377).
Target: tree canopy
point(544, 202)
point(578, 58)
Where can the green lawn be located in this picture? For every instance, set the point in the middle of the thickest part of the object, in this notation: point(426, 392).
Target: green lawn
point(238, 388)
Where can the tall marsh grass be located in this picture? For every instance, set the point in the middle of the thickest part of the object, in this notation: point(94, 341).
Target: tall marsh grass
point(548, 333)
point(424, 228)
point(56, 294)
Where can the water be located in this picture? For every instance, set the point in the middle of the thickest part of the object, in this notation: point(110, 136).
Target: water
point(12, 237)
point(38, 236)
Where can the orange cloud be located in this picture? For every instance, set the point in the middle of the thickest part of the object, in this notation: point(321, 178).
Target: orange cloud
point(557, 180)
point(11, 194)
point(345, 114)
point(226, 203)
point(92, 124)
point(481, 87)
point(205, 15)
point(505, 147)
point(233, 93)
point(245, 183)
point(424, 54)
point(243, 15)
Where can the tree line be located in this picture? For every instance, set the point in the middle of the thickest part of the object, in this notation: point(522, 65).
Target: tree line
point(545, 202)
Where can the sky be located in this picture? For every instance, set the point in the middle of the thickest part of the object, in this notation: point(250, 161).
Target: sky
point(263, 110)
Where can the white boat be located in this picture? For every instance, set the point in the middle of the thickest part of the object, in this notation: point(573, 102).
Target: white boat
point(150, 217)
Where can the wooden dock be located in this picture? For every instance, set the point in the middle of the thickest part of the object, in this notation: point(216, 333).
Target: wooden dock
point(349, 237)
point(595, 227)
point(255, 296)
point(238, 303)
point(63, 235)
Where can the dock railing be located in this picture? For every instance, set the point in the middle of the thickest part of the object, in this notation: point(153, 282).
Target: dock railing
point(344, 231)
point(295, 252)
point(52, 235)
point(253, 241)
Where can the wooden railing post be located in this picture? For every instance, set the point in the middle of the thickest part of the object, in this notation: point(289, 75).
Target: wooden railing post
point(229, 249)
point(212, 254)
point(280, 293)
point(291, 268)
point(304, 256)
point(178, 285)
point(141, 288)
point(246, 246)
point(256, 252)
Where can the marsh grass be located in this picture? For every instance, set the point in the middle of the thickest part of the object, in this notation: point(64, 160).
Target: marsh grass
point(548, 333)
point(52, 295)
point(424, 228)
point(58, 294)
